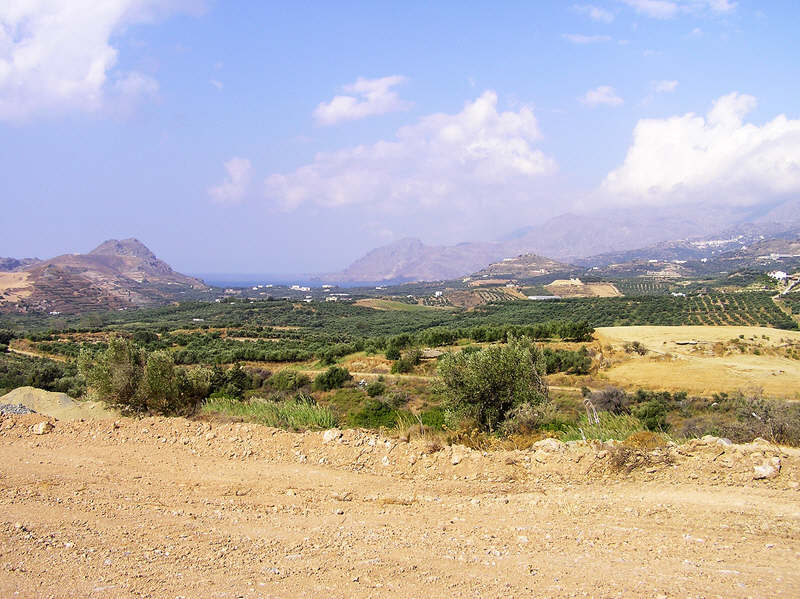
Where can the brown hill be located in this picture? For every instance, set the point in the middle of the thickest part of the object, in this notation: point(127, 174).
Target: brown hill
point(116, 274)
point(525, 266)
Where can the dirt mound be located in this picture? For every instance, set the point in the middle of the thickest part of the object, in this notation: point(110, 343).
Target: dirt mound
point(56, 405)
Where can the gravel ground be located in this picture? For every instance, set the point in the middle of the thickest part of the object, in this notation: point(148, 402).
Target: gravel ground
point(167, 507)
point(7, 408)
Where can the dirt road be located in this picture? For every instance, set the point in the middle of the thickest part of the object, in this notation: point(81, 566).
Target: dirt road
point(174, 508)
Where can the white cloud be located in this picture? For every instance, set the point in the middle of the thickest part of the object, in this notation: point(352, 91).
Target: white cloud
point(57, 56)
point(719, 158)
point(665, 86)
point(603, 94)
point(668, 9)
point(236, 186)
point(368, 97)
point(595, 13)
point(577, 38)
point(457, 161)
point(216, 83)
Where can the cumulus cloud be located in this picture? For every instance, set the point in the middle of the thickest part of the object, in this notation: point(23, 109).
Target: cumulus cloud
point(455, 160)
point(668, 9)
point(577, 38)
point(601, 15)
point(603, 94)
point(719, 158)
point(665, 86)
point(57, 56)
point(235, 187)
point(366, 97)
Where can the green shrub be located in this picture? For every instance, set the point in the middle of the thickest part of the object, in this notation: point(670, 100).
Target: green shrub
point(406, 364)
point(374, 414)
point(393, 353)
point(376, 388)
point(482, 388)
point(289, 380)
point(653, 414)
point(333, 378)
point(433, 417)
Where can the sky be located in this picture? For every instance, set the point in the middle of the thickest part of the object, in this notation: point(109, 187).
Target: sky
point(288, 137)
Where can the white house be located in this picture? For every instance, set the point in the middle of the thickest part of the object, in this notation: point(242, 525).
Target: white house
point(779, 275)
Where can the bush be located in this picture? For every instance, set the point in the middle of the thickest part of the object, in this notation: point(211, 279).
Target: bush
point(127, 377)
point(333, 378)
point(611, 399)
point(407, 362)
point(289, 380)
point(374, 414)
point(393, 353)
point(635, 347)
point(653, 414)
point(116, 374)
point(376, 388)
point(482, 388)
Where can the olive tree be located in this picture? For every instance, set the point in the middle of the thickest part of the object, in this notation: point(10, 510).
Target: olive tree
point(483, 387)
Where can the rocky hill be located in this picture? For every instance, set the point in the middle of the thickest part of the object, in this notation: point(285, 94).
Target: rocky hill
point(116, 274)
point(525, 266)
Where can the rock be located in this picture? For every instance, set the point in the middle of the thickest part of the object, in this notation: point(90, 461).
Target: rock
point(456, 459)
point(385, 460)
point(42, 428)
point(332, 434)
point(412, 459)
point(770, 468)
point(550, 445)
point(724, 442)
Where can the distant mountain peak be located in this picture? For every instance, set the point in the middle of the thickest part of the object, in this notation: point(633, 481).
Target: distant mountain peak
point(123, 247)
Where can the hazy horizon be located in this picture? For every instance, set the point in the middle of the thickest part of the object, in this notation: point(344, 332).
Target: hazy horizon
point(280, 138)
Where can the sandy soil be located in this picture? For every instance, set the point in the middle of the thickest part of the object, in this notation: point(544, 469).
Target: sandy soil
point(695, 368)
point(15, 285)
point(175, 508)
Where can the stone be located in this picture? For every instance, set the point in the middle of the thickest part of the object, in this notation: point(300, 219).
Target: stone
point(770, 468)
point(42, 428)
point(385, 460)
point(549, 445)
point(332, 434)
point(456, 459)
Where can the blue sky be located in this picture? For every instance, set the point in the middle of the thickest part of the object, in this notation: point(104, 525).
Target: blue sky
point(273, 137)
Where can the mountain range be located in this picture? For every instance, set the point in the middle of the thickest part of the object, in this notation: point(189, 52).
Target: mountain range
point(116, 274)
point(618, 235)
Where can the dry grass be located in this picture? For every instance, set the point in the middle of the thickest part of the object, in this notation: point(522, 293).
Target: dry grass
point(566, 288)
point(15, 285)
point(707, 367)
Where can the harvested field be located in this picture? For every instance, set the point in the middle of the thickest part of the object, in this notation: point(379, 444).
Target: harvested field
point(706, 359)
point(570, 288)
point(171, 507)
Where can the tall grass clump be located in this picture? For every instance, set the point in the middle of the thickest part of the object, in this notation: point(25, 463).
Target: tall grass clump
point(611, 426)
point(293, 414)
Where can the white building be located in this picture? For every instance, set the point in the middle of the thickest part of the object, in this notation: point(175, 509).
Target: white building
point(779, 275)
